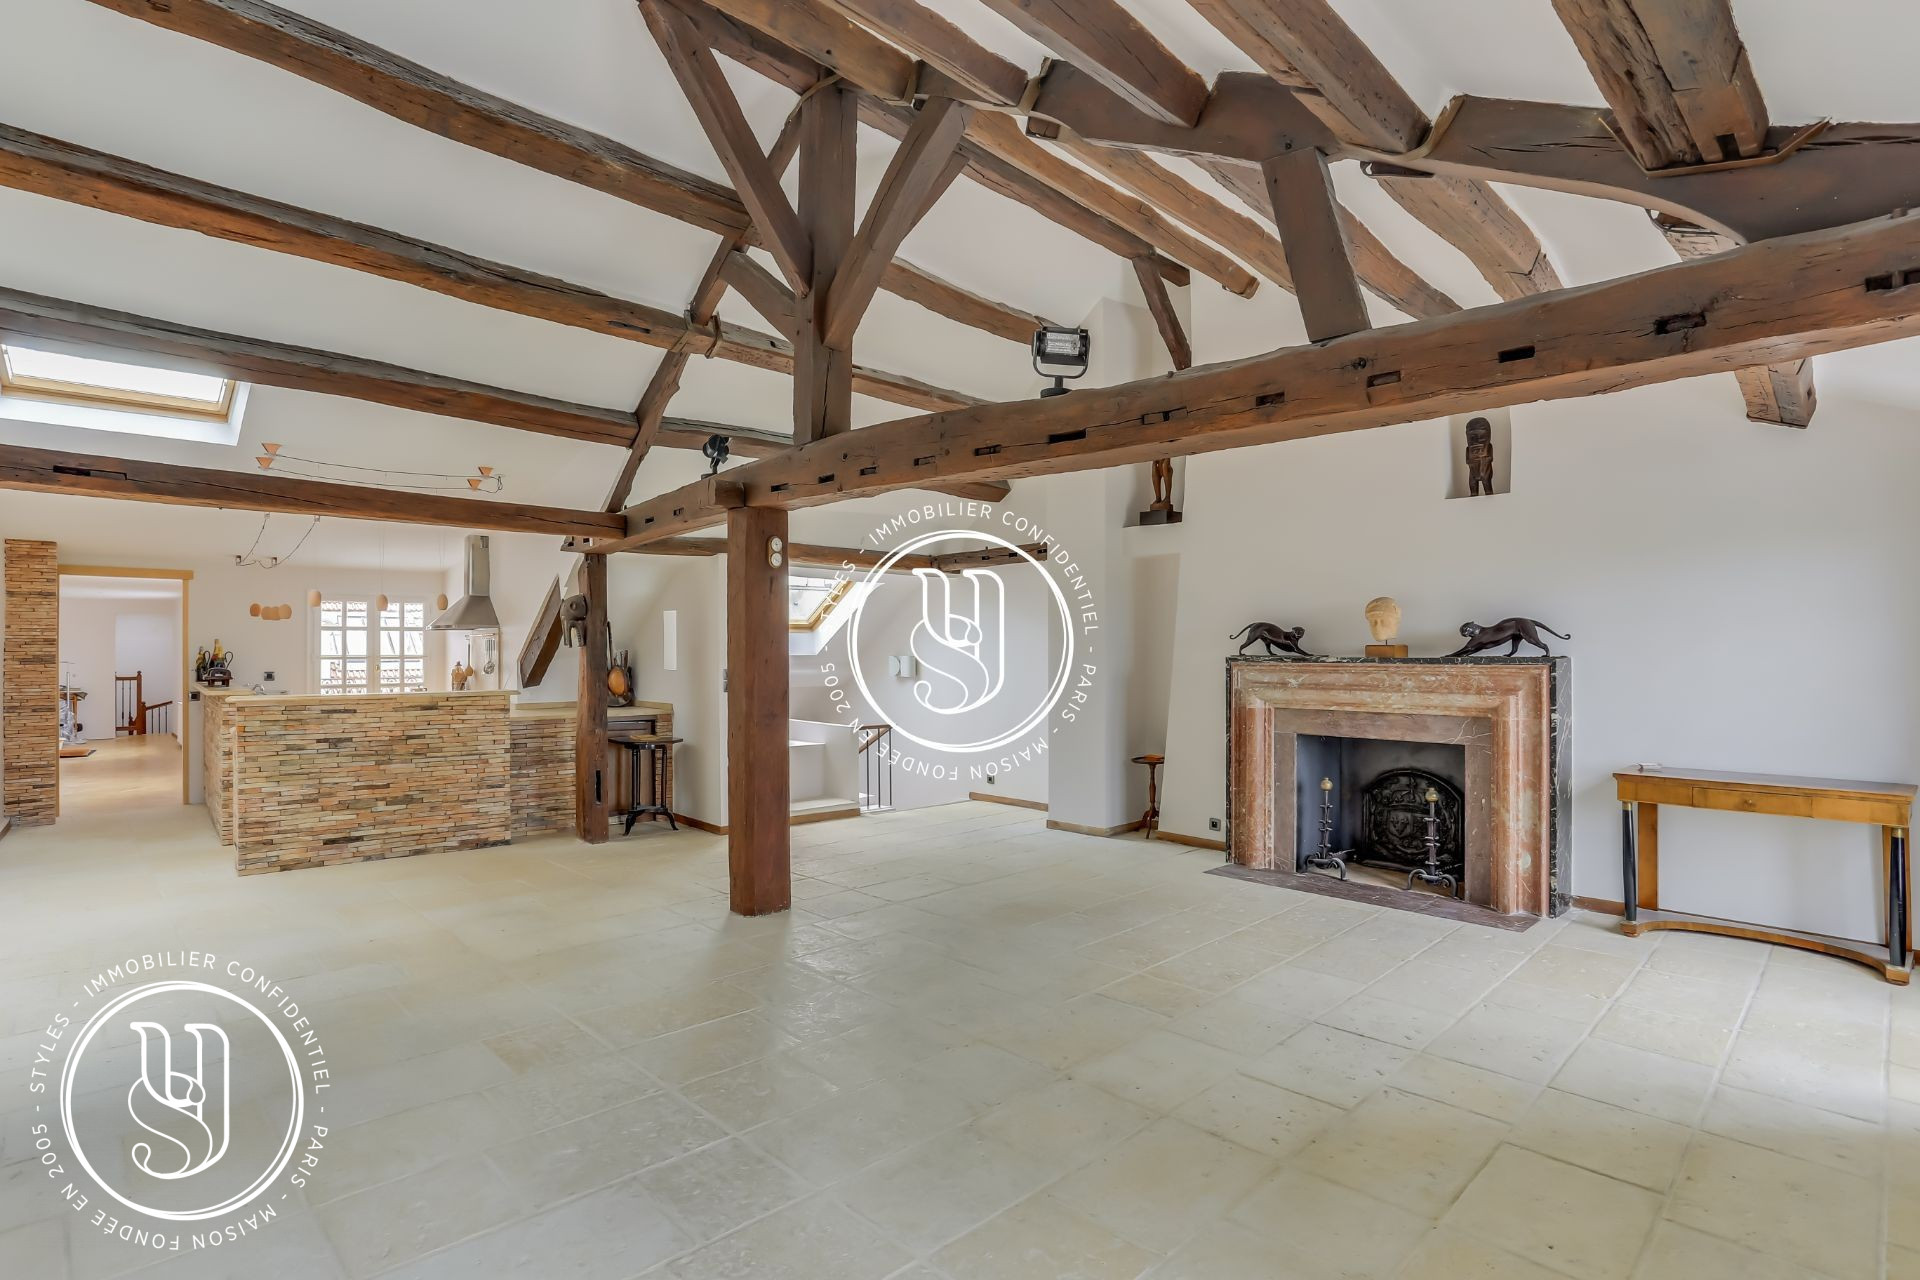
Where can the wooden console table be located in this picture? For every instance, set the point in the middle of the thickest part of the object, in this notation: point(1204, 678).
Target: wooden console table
point(1888, 805)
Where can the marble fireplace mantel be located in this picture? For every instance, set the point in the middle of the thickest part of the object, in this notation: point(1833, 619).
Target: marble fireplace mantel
point(1509, 713)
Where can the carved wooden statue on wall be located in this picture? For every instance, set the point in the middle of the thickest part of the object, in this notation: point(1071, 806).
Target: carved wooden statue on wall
point(1161, 511)
point(1479, 458)
point(1507, 631)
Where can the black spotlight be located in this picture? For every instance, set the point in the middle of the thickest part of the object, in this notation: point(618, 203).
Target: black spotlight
point(717, 448)
point(1060, 354)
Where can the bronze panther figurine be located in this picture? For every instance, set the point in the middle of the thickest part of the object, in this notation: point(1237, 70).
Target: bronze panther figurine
point(1276, 638)
point(1507, 631)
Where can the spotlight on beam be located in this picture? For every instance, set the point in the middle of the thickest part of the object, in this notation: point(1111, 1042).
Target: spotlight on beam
point(1060, 353)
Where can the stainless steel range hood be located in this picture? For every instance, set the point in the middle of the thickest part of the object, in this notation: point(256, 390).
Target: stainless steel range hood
point(474, 610)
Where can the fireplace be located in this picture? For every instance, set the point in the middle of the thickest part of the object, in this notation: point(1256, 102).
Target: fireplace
point(1486, 735)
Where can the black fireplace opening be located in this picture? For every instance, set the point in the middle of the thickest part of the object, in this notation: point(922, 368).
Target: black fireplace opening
point(1363, 807)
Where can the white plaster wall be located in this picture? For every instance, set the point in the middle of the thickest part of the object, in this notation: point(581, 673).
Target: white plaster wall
point(1740, 596)
point(92, 652)
point(641, 589)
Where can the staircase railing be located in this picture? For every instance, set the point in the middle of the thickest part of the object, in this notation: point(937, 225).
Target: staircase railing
point(876, 767)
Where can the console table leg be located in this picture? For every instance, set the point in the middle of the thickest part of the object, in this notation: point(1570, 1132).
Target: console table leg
point(1629, 861)
point(1897, 899)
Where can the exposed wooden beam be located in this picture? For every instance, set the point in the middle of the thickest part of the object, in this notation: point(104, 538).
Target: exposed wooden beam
point(937, 42)
point(759, 851)
point(822, 556)
point(1675, 73)
point(1307, 46)
point(1301, 192)
point(1108, 42)
point(1160, 305)
point(1388, 277)
point(1763, 303)
point(55, 471)
point(144, 340)
point(762, 291)
point(543, 639)
point(427, 100)
point(822, 397)
point(718, 111)
point(48, 167)
point(1781, 395)
point(956, 303)
point(919, 171)
point(592, 789)
point(875, 67)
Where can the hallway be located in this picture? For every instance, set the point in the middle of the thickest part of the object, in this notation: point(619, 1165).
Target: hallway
point(122, 774)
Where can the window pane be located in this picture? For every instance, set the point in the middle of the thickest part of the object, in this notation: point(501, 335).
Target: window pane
point(390, 616)
point(416, 614)
point(332, 643)
point(416, 672)
point(389, 644)
point(390, 675)
point(332, 671)
point(356, 673)
point(332, 613)
point(357, 614)
point(110, 375)
point(357, 643)
point(416, 643)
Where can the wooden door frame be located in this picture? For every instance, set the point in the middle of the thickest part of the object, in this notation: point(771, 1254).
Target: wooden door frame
point(185, 578)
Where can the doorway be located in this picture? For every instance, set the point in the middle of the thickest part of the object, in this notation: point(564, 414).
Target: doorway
point(124, 687)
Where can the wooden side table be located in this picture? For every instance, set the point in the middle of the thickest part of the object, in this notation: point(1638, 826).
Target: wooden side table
point(1888, 805)
point(1151, 818)
point(656, 748)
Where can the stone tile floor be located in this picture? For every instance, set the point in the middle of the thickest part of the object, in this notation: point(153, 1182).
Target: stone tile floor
point(980, 1050)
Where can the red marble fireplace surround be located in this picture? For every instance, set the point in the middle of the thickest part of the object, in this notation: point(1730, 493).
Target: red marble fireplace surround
point(1507, 714)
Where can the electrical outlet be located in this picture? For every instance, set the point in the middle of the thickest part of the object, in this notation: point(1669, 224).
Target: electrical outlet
point(992, 777)
point(1213, 824)
point(266, 677)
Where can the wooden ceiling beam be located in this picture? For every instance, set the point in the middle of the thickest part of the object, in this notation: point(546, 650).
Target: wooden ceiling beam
point(162, 343)
point(939, 43)
point(930, 291)
point(714, 105)
point(1301, 192)
point(865, 61)
point(1165, 318)
point(45, 166)
point(1102, 38)
point(762, 291)
point(428, 100)
point(56, 471)
point(1763, 303)
point(1675, 73)
point(920, 170)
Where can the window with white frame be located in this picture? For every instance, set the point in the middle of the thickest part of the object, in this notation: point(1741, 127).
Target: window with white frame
point(361, 649)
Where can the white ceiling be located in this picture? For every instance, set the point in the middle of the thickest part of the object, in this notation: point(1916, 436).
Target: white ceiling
point(95, 588)
point(106, 81)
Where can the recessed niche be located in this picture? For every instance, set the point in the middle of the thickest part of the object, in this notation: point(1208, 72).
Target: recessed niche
point(1491, 431)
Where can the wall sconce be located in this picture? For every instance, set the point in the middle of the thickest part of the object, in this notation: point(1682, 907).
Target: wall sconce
point(1060, 353)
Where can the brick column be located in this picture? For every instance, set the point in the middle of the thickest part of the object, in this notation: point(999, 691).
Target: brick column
point(30, 684)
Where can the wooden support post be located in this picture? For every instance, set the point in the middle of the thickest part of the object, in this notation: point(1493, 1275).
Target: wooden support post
point(591, 785)
point(822, 376)
point(1315, 242)
point(759, 852)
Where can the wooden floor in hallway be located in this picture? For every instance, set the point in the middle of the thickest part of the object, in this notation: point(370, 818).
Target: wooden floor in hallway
point(121, 775)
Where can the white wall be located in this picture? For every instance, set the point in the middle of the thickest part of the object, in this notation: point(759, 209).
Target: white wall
point(1741, 598)
point(104, 637)
point(641, 589)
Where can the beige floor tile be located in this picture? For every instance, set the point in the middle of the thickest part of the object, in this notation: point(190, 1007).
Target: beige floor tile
point(1475, 1089)
point(1298, 993)
point(760, 1091)
point(544, 1044)
point(718, 1188)
point(1231, 1252)
point(1657, 1032)
point(943, 1188)
point(1323, 1230)
point(627, 1024)
point(849, 1131)
point(813, 1240)
point(1651, 1083)
point(1720, 1004)
point(1262, 1117)
point(1157, 995)
point(1064, 1123)
point(684, 1056)
point(394, 1146)
point(1447, 1254)
point(386, 1226)
point(1331, 1065)
point(1070, 1034)
point(36, 1249)
point(1042, 1239)
point(546, 1096)
point(1791, 1128)
point(1159, 1071)
point(1570, 1219)
point(875, 1049)
point(1813, 1215)
point(1607, 1139)
point(1369, 1015)
point(1404, 1149)
point(611, 1234)
point(599, 1149)
point(1804, 1069)
point(1681, 1253)
point(1526, 1046)
point(1236, 1025)
point(982, 1074)
point(1126, 1190)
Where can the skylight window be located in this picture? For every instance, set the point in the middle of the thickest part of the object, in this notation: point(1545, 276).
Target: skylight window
point(89, 381)
point(810, 598)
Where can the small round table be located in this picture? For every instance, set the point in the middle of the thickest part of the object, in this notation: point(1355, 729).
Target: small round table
point(1151, 818)
point(657, 748)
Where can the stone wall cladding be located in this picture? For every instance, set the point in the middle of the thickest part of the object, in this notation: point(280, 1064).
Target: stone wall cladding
point(319, 780)
point(216, 745)
point(30, 683)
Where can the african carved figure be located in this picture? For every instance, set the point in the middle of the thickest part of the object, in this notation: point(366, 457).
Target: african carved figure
point(1507, 631)
point(1278, 639)
point(573, 621)
point(1479, 457)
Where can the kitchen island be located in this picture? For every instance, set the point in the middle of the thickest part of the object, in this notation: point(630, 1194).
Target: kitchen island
point(300, 780)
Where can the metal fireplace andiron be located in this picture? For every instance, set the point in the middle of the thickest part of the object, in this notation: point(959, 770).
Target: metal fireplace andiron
point(1410, 820)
